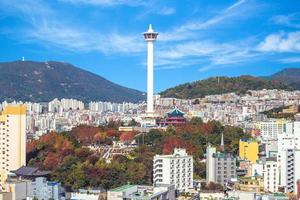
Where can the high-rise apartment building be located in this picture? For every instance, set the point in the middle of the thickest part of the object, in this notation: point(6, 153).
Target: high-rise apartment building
point(225, 167)
point(210, 164)
point(176, 169)
point(220, 167)
point(271, 175)
point(290, 137)
point(289, 170)
point(12, 139)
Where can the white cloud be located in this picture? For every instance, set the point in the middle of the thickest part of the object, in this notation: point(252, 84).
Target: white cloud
point(290, 60)
point(76, 39)
point(281, 42)
point(45, 26)
point(166, 11)
point(291, 20)
point(188, 30)
point(209, 53)
point(108, 2)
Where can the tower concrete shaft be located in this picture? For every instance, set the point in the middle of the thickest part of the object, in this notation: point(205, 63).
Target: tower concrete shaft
point(150, 102)
point(150, 36)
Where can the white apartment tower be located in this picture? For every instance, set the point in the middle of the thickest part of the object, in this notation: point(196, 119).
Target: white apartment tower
point(289, 156)
point(290, 137)
point(289, 170)
point(150, 36)
point(176, 169)
point(210, 164)
point(271, 175)
point(12, 139)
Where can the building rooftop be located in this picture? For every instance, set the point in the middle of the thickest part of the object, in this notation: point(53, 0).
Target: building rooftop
point(178, 152)
point(30, 172)
point(175, 112)
point(222, 155)
point(122, 188)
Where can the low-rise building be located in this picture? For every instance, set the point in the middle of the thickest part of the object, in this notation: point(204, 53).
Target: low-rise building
point(90, 194)
point(43, 189)
point(138, 192)
point(250, 184)
point(18, 189)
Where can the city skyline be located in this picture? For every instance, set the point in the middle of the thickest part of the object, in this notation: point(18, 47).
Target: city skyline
point(197, 39)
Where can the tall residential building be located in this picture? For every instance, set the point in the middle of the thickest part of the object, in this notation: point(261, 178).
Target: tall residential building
point(271, 175)
point(12, 139)
point(271, 129)
point(210, 164)
point(220, 167)
point(225, 167)
point(248, 150)
point(176, 169)
point(289, 170)
point(289, 156)
point(290, 137)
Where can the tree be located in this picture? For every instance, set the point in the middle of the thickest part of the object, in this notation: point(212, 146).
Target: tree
point(127, 137)
point(196, 121)
point(132, 123)
point(153, 137)
point(76, 177)
point(214, 186)
point(177, 142)
point(199, 169)
point(51, 161)
point(136, 172)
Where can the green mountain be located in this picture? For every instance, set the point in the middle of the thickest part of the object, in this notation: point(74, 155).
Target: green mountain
point(219, 85)
point(44, 81)
point(290, 76)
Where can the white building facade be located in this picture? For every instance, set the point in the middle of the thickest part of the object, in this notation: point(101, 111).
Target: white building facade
point(13, 139)
point(176, 169)
point(210, 164)
point(271, 176)
point(43, 189)
point(271, 129)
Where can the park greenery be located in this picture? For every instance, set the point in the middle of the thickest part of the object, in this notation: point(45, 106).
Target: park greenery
point(73, 164)
point(221, 85)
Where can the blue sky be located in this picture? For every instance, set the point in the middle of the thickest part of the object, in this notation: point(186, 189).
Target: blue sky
point(197, 39)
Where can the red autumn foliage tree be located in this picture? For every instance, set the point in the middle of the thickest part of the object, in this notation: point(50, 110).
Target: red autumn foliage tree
point(66, 148)
point(51, 161)
point(127, 137)
point(100, 137)
point(30, 147)
point(177, 142)
point(112, 132)
point(49, 138)
point(85, 134)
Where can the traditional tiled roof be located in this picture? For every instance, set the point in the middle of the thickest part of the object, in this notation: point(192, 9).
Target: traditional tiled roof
point(30, 171)
point(176, 112)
